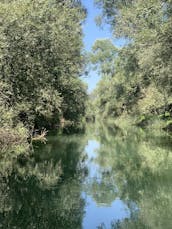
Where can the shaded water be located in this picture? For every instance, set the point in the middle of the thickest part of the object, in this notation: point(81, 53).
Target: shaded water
point(106, 178)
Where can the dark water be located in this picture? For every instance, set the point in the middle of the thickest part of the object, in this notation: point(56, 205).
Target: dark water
point(106, 178)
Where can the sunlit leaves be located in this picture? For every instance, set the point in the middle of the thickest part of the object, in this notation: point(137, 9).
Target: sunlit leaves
point(144, 63)
point(41, 60)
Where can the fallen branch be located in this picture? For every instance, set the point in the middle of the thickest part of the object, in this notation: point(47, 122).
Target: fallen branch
point(41, 137)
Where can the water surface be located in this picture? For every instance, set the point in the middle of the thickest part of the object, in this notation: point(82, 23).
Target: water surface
point(106, 178)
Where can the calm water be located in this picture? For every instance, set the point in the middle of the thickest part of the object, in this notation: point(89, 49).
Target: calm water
point(107, 178)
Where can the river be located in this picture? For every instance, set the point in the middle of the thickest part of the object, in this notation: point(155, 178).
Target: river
point(106, 178)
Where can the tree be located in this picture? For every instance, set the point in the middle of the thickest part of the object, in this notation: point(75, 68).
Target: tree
point(41, 60)
point(144, 64)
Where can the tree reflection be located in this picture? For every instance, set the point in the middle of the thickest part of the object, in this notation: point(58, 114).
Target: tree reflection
point(44, 190)
point(135, 166)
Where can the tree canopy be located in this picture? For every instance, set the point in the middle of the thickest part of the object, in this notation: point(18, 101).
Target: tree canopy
point(140, 79)
point(41, 61)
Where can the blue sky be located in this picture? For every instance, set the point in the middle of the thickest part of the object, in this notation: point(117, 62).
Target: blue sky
point(91, 34)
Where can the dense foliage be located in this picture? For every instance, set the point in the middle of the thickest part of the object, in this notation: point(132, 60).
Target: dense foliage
point(41, 61)
point(136, 79)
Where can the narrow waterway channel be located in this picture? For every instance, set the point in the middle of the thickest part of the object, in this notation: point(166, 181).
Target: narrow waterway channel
point(106, 178)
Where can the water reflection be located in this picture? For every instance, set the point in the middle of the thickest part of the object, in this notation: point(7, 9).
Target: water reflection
point(106, 178)
point(135, 166)
point(46, 191)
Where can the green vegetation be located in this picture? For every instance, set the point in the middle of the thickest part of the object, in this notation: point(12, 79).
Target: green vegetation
point(136, 79)
point(41, 61)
